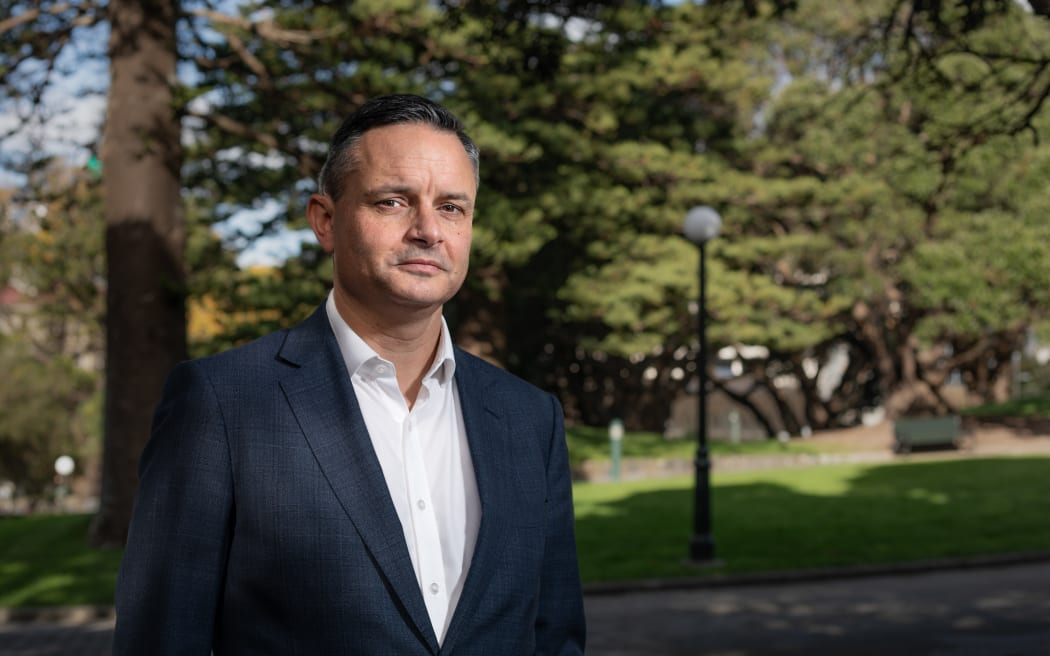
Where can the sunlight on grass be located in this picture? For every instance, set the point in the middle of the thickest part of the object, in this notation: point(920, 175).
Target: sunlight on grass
point(822, 481)
point(12, 569)
point(45, 590)
point(929, 496)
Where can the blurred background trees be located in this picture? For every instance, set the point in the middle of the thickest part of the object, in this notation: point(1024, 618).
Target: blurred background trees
point(51, 259)
point(878, 166)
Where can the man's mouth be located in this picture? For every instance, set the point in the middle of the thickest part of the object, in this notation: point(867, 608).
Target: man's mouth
point(422, 264)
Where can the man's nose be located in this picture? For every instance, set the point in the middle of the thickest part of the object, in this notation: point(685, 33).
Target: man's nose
point(426, 226)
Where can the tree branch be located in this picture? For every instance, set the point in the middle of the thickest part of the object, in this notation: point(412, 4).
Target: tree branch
point(238, 128)
point(84, 16)
point(308, 163)
point(267, 29)
point(250, 60)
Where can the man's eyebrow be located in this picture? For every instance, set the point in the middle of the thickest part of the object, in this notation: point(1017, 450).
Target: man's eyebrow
point(390, 189)
point(408, 191)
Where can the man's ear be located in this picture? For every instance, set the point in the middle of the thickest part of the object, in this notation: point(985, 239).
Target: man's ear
point(320, 212)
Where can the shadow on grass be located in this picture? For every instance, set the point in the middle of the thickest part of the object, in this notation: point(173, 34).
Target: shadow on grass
point(819, 517)
point(46, 561)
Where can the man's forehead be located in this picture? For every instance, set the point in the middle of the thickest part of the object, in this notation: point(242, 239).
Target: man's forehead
point(413, 134)
point(417, 140)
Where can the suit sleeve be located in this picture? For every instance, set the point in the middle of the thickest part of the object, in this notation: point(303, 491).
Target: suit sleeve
point(170, 584)
point(560, 624)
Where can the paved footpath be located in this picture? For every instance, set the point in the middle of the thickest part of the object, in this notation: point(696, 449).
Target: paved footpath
point(1000, 611)
point(994, 611)
point(93, 638)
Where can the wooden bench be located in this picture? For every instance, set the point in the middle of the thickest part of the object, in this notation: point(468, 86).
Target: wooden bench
point(910, 432)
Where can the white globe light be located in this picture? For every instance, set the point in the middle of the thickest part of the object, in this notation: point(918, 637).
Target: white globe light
point(64, 466)
point(702, 223)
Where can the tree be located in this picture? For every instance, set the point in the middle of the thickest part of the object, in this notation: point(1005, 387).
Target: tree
point(891, 216)
point(145, 237)
point(560, 97)
point(41, 398)
point(50, 335)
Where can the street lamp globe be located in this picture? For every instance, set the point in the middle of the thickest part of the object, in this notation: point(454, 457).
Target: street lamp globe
point(64, 465)
point(702, 223)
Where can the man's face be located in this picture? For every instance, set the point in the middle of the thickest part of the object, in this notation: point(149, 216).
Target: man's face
point(400, 233)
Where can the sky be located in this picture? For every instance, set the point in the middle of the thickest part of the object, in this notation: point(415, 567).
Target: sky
point(75, 114)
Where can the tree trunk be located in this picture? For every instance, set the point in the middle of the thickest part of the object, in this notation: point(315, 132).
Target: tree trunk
point(145, 236)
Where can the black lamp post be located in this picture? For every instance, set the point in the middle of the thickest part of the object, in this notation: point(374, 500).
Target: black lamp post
point(702, 224)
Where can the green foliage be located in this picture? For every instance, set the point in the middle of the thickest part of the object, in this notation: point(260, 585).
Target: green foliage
point(861, 180)
point(40, 400)
point(51, 243)
point(634, 293)
point(51, 338)
point(1029, 407)
point(256, 301)
point(888, 205)
point(873, 163)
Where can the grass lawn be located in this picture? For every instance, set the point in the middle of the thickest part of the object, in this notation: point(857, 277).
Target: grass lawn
point(45, 561)
point(818, 517)
point(592, 443)
point(762, 520)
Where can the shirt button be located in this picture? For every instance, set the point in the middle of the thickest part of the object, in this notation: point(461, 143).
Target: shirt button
point(381, 369)
point(434, 588)
point(422, 504)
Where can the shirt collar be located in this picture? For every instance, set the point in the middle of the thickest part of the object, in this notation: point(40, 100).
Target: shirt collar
point(356, 353)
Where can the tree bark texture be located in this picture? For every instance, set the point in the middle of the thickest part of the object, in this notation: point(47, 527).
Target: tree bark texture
point(145, 237)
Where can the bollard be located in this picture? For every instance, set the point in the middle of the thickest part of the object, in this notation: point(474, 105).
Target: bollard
point(734, 426)
point(615, 447)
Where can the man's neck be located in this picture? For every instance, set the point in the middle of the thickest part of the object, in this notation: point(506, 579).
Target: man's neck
point(408, 339)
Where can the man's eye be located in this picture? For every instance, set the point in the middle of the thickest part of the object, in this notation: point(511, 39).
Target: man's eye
point(388, 202)
point(449, 207)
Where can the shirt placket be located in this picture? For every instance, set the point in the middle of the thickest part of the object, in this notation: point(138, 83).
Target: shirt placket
point(425, 525)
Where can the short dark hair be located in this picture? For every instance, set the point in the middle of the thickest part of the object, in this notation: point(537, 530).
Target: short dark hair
point(394, 109)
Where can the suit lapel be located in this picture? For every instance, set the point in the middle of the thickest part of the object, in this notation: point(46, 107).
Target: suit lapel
point(493, 470)
point(323, 401)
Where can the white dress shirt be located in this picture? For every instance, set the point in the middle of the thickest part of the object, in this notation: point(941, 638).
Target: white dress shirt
point(426, 462)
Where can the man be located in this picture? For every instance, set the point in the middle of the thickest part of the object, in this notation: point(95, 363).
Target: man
point(356, 484)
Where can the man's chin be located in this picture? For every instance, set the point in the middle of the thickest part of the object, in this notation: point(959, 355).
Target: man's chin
point(422, 294)
point(422, 301)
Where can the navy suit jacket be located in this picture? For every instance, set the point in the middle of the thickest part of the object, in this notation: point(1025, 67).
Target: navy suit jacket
point(263, 524)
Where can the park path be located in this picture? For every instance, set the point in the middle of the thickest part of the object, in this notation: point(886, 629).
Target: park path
point(999, 611)
point(987, 611)
point(859, 444)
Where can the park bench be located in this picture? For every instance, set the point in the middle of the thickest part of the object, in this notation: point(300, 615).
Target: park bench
point(911, 432)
